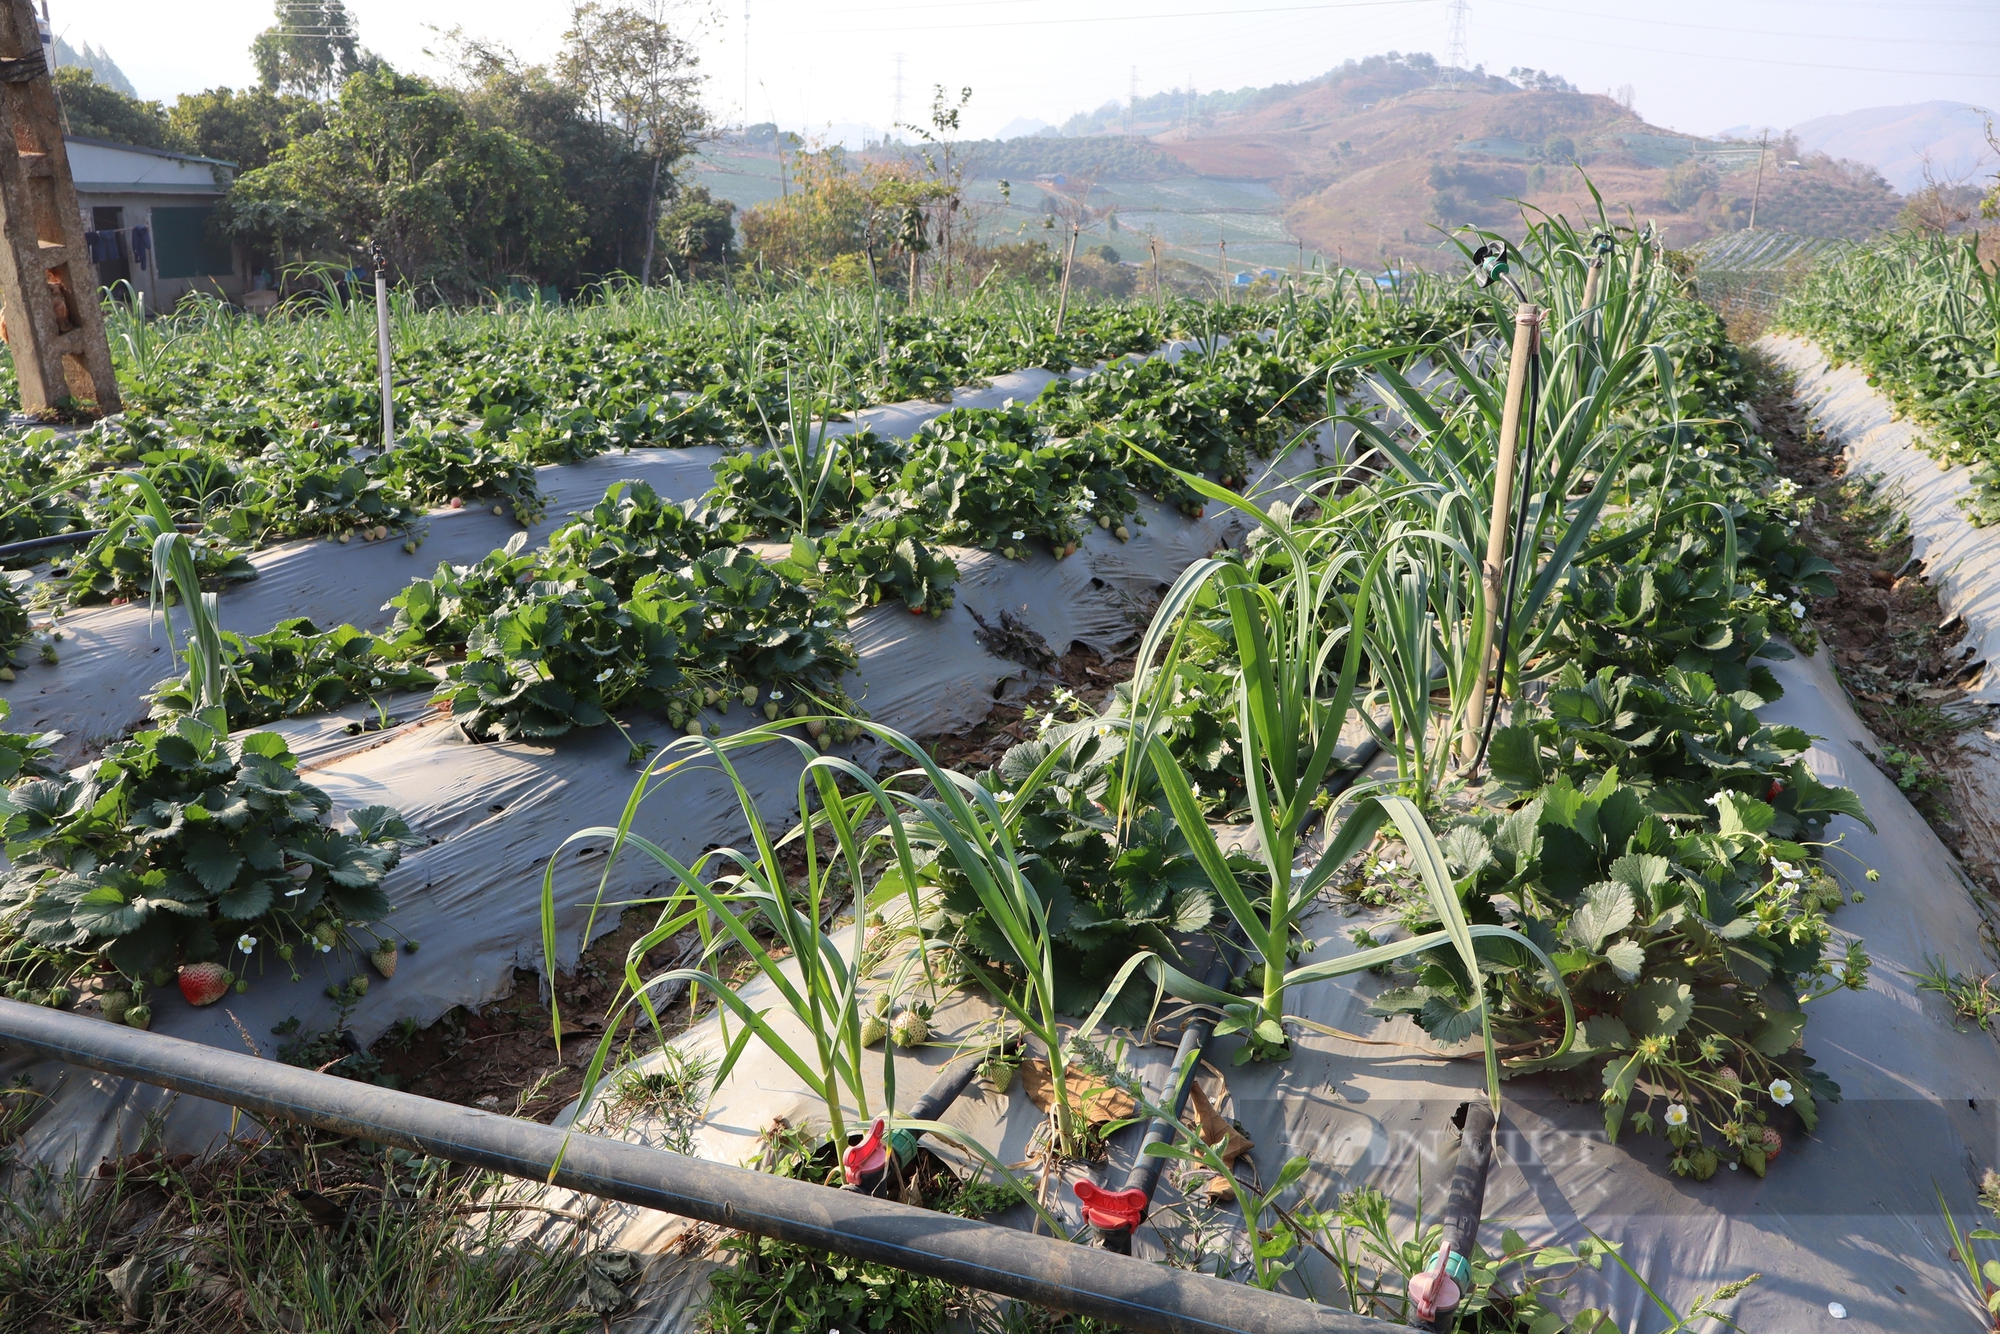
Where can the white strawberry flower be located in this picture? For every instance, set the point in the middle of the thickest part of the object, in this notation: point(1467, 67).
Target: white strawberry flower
point(246, 942)
point(1781, 1092)
point(1677, 1115)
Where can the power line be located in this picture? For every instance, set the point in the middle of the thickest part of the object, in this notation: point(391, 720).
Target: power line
point(1124, 18)
point(1766, 60)
point(1751, 32)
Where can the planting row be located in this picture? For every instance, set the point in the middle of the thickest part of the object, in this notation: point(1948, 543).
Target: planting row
point(1921, 315)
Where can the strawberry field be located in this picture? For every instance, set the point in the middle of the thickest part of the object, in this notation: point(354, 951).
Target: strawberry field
point(721, 572)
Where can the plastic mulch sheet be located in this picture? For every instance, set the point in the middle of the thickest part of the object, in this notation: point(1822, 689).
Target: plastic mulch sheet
point(493, 813)
point(1848, 1215)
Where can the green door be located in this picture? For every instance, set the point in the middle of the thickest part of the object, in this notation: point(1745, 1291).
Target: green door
point(186, 247)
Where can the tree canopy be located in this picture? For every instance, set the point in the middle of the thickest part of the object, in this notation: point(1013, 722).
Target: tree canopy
point(401, 162)
point(556, 174)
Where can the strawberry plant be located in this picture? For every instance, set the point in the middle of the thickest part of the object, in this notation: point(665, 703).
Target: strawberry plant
point(119, 565)
point(560, 654)
point(183, 845)
point(24, 756)
point(626, 535)
point(434, 466)
point(437, 615)
point(1691, 947)
point(300, 493)
point(873, 560)
point(296, 669)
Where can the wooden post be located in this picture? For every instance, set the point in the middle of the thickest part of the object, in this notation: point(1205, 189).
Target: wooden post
point(1069, 258)
point(1763, 142)
point(48, 285)
point(1159, 292)
point(1527, 325)
point(382, 348)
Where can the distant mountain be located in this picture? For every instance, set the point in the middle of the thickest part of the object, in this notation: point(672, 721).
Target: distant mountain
point(1022, 126)
point(1896, 140)
point(100, 64)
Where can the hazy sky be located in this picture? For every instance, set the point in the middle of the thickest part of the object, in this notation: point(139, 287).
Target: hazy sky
point(1697, 66)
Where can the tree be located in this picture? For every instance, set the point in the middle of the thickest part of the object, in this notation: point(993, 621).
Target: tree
point(637, 74)
point(311, 50)
point(601, 173)
point(400, 161)
point(938, 213)
point(828, 210)
point(698, 233)
point(246, 128)
point(98, 112)
point(1689, 181)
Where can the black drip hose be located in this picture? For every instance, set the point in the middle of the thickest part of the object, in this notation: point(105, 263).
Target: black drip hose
point(1467, 1197)
point(1144, 1172)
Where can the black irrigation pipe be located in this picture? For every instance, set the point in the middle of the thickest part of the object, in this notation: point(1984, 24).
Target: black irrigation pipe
point(64, 539)
point(1079, 1279)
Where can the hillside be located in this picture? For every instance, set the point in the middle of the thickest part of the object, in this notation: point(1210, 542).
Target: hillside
point(1365, 164)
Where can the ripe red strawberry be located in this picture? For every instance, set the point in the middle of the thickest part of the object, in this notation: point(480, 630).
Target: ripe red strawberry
point(204, 983)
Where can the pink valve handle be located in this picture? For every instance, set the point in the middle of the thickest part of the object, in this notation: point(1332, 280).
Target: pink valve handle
point(1434, 1289)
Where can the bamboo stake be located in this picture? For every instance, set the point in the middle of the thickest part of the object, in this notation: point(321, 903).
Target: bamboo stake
point(1592, 281)
point(1527, 326)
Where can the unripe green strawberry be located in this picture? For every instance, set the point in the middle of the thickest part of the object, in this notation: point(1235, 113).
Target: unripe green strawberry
point(873, 1030)
point(140, 1016)
point(383, 957)
point(909, 1029)
point(113, 1004)
point(327, 934)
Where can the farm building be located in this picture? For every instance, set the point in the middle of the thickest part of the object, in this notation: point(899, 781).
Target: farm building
point(146, 215)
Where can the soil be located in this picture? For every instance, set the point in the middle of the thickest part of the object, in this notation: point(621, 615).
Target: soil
point(1904, 663)
point(504, 1056)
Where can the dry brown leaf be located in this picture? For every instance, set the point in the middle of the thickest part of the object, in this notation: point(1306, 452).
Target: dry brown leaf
point(1089, 1096)
point(1220, 1190)
point(1208, 1123)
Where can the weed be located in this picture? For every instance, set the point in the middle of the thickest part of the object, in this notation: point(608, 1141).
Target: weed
point(324, 1238)
point(1973, 999)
